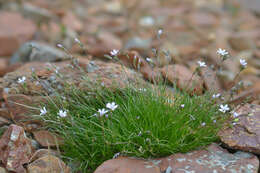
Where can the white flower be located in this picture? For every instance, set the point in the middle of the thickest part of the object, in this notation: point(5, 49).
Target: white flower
point(223, 108)
point(182, 105)
point(43, 111)
point(112, 106)
point(203, 124)
point(160, 31)
point(114, 52)
point(21, 80)
point(77, 40)
point(102, 112)
point(235, 114)
point(214, 96)
point(202, 64)
point(116, 155)
point(243, 62)
point(149, 60)
point(62, 113)
point(60, 45)
point(222, 52)
point(214, 121)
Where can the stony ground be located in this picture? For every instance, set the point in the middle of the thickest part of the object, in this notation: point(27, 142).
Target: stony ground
point(192, 30)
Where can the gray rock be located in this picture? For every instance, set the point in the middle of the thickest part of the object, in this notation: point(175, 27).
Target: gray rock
point(36, 13)
point(34, 51)
point(138, 43)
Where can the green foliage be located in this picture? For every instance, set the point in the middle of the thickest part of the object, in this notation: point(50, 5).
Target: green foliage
point(147, 123)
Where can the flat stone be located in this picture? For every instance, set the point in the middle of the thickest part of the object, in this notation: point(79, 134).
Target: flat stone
point(245, 134)
point(210, 80)
point(47, 164)
point(14, 31)
point(15, 149)
point(213, 159)
point(47, 139)
point(43, 152)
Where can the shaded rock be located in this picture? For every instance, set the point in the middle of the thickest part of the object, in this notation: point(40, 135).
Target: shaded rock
point(47, 139)
point(183, 78)
point(35, 51)
point(212, 159)
point(14, 31)
point(245, 134)
point(36, 13)
point(47, 164)
point(15, 148)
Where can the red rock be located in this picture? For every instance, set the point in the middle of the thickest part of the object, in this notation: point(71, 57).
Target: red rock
point(133, 59)
point(103, 43)
point(72, 22)
point(245, 134)
point(14, 30)
point(47, 139)
point(210, 80)
point(3, 66)
point(213, 159)
point(15, 149)
point(183, 78)
point(48, 164)
point(43, 152)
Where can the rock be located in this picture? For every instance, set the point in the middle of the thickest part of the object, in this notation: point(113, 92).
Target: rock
point(245, 134)
point(4, 121)
point(72, 22)
point(211, 80)
point(15, 148)
point(3, 66)
point(202, 19)
point(35, 51)
point(14, 31)
point(240, 42)
point(252, 5)
point(47, 164)
point(183, 78)
point(212, 159)
point(2, 170)
point(103, 43)
point(133, 59)
point(250, 94)
point(38, 14)
point(43, 152)
point(147, 21)
point(138, 44)
point(47, 139)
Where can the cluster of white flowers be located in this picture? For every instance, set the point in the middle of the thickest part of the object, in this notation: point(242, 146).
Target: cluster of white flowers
point(214, 96)
point(21, 80)
point(101, 112)
point(61, 113)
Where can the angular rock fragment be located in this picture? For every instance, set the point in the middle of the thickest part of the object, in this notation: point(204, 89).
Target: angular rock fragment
point(15, 149)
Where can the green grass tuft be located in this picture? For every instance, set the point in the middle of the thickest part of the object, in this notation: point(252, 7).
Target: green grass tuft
point(146, 124)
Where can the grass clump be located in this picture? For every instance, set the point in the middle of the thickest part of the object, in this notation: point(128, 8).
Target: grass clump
point(146, 123)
